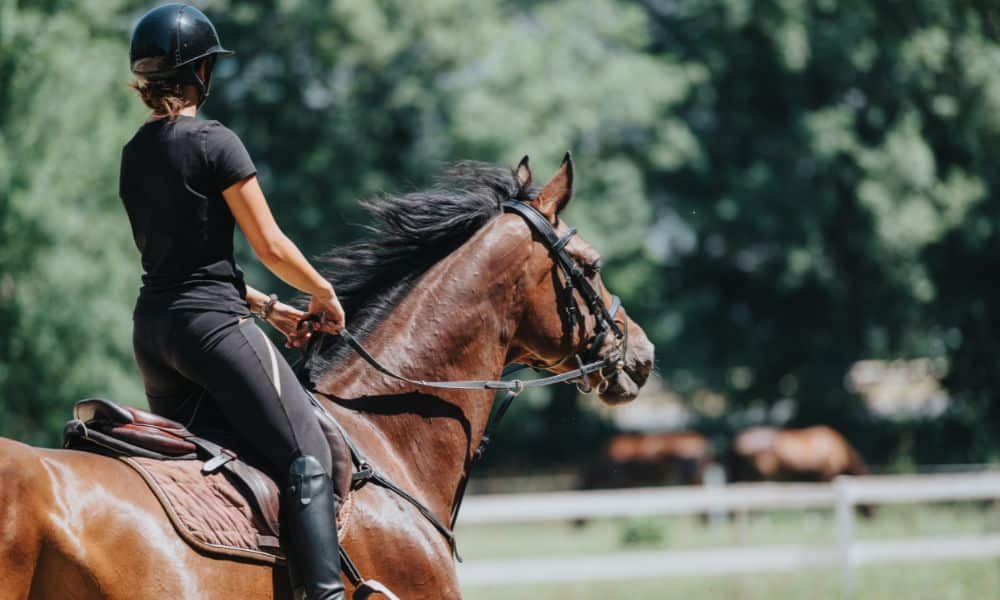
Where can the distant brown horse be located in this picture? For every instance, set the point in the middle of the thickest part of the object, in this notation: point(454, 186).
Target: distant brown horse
point(812, 454)
point(451, 288)
point(643, 459)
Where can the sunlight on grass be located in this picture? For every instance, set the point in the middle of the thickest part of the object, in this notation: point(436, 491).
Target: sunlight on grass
point(975, 580)
point(972, 580)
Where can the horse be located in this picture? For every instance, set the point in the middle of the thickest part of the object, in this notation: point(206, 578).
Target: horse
point(450, 286)
point(817, 453)
point(643, 459)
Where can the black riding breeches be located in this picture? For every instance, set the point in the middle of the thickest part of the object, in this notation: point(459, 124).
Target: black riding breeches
point(202, 367)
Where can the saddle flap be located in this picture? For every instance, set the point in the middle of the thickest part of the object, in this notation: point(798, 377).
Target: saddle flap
point(152, 438)
point(102, 421)
point(78, 435)
point(141, 417)
point(99, 409)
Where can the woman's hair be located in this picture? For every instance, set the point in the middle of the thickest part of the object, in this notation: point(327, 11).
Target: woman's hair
point(166, 98)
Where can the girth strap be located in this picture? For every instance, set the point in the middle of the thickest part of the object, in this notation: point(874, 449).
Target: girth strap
point(366, 472)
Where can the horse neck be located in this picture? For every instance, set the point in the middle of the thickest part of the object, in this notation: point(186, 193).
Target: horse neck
point(455, 324)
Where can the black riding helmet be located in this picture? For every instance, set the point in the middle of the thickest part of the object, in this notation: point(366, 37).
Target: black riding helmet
point(170, 41)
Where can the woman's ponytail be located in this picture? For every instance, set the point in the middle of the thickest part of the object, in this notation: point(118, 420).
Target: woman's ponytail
point(165, 98)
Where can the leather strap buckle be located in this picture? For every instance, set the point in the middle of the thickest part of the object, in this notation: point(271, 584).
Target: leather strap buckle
point(218, 461)
point(363, 474)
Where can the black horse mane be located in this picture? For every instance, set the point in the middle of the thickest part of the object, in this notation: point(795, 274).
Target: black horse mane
point(410, 233)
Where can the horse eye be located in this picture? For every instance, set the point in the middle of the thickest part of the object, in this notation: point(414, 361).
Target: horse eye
point(593, 268)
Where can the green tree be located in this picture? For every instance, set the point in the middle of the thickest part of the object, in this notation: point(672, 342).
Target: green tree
point(68, 269)
point(844, 171)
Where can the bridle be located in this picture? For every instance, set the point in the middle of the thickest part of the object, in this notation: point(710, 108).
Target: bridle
point(577, 281)
point(588, 362)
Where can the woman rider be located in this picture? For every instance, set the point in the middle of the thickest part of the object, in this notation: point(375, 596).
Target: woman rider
point(185, 182)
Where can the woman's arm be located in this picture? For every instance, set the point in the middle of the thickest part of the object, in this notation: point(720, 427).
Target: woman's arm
point(278, 253)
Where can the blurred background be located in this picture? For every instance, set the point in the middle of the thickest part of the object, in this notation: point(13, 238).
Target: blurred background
point(795, 198)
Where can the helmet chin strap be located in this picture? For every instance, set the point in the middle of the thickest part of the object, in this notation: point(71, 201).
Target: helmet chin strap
point(204, 85)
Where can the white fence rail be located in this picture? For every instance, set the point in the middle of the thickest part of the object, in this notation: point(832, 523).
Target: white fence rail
point(843, 496)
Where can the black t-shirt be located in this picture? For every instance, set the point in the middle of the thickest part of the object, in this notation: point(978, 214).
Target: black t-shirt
point(173, 173)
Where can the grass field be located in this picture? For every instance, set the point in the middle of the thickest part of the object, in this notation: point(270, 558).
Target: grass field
point(979, 580)
point(974, 580)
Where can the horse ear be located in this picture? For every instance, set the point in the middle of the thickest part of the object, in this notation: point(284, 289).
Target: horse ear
point(524, 174)
point(558, 191)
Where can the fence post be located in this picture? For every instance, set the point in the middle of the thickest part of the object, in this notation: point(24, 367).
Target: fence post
point(844, 495)
point(714, 482)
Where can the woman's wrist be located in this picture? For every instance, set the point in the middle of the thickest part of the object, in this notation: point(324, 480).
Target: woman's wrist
point(325, 292)
point(269, 305)
point(264, 307)
point(255, 299)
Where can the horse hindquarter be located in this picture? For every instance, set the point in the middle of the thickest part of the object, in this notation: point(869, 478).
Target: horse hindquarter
point(43, 553)
point(20, 532)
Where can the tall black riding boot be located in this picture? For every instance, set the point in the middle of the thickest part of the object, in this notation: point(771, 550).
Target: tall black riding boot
point(312, 530)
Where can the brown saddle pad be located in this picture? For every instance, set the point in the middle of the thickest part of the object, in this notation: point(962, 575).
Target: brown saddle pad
point(208, 511)
point(216, 502)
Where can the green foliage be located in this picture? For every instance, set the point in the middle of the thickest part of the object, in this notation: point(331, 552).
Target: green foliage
point(843, 149)
point(68, 271)
point(779, 188)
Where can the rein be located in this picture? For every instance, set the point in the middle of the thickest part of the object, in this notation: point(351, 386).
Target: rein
point(577, 280)
point(516, 386)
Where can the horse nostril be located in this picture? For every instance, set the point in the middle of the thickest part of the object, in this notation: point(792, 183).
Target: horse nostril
point(639, 371)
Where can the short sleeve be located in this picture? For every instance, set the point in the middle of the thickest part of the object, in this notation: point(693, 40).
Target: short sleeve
point(123, 174)
point(227, 158)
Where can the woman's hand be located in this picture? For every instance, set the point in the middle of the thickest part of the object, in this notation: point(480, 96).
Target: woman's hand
point(333, 314)
point(286, 318)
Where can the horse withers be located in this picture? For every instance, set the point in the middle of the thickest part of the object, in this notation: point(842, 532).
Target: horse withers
point(450, 287)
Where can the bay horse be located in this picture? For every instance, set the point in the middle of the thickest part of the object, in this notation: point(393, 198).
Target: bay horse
point(649, 458)
point(450, 287)
point(817, 453)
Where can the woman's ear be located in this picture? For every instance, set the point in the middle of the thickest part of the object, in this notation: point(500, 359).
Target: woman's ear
point(557, 192)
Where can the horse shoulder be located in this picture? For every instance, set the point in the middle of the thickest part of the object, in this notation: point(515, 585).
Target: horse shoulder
point(384, 535)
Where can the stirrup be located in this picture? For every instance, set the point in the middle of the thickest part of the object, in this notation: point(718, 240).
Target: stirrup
point(372, 586)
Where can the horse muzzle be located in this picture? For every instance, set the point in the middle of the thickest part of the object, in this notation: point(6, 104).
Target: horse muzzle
point(622, 385)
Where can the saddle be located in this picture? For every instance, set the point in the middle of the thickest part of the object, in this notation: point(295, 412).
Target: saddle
point(217, 502)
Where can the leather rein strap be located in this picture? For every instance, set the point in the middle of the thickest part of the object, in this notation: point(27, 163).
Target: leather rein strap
point(513, 385)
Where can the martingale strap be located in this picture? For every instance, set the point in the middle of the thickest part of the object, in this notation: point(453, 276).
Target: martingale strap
point(366, 472)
